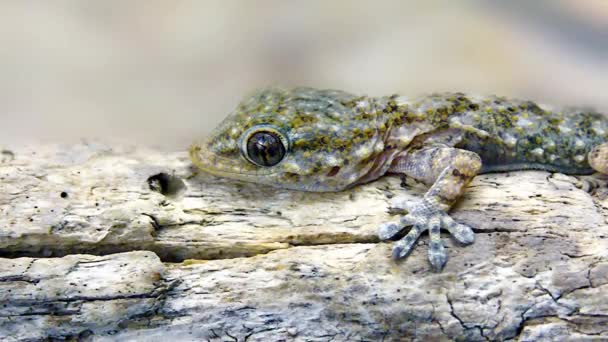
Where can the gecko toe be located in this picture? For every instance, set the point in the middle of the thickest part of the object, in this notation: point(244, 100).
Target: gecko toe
point(464, 234)
point(461, 232)
point(437, 255)
point(388, 230)
point(404, 246)
point(398, 252)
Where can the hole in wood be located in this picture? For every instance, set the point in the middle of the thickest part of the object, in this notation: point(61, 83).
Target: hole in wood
point(166, 184)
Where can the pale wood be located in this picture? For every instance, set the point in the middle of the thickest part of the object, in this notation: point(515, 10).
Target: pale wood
point(222, 258)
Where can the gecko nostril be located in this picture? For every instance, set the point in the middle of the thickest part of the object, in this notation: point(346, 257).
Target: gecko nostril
point(166, 184)
point(334, 171)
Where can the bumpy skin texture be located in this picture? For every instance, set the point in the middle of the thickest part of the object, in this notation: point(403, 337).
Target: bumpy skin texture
point(335, 140)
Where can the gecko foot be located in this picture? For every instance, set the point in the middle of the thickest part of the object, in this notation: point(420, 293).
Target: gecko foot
point(424, 215)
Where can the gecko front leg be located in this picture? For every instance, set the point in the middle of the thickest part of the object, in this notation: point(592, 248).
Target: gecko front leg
point(448, 170)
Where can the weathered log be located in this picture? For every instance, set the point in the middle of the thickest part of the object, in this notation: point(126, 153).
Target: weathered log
point(174, 253)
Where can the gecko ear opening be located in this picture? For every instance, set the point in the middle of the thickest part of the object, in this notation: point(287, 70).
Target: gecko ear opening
point(264, 146)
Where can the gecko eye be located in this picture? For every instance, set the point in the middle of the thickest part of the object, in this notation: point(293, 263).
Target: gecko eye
point(264, 147)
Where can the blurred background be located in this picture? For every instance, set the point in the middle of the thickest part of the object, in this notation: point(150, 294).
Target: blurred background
point(163, 73)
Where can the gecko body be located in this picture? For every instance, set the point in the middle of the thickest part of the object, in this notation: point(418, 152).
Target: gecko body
point(327, 140)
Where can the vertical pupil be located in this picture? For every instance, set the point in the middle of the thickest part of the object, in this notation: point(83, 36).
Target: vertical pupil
point(265, 149)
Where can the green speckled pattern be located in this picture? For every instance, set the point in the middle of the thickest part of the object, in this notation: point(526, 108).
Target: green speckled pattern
point(361, 136)
point(335, 140)
point(326, 130)
point(513, 134)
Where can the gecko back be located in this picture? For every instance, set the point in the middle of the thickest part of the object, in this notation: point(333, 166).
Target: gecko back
point(511, 134)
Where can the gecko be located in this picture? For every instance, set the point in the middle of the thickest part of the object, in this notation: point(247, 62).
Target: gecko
point(328, 140)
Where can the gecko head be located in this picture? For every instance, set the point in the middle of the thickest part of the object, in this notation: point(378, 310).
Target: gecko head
point(302, 139)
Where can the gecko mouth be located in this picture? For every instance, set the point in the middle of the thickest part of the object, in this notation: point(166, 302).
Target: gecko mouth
point(220, 166)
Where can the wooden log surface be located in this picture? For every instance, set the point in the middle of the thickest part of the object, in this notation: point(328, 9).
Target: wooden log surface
point(104, 242)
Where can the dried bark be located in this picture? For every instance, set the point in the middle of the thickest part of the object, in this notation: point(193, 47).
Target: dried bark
point(174, 253)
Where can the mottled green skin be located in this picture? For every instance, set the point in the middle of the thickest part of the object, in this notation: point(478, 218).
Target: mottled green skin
point(335, 140)
point(512, 134)
point(326, 130)
point(361, 135)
